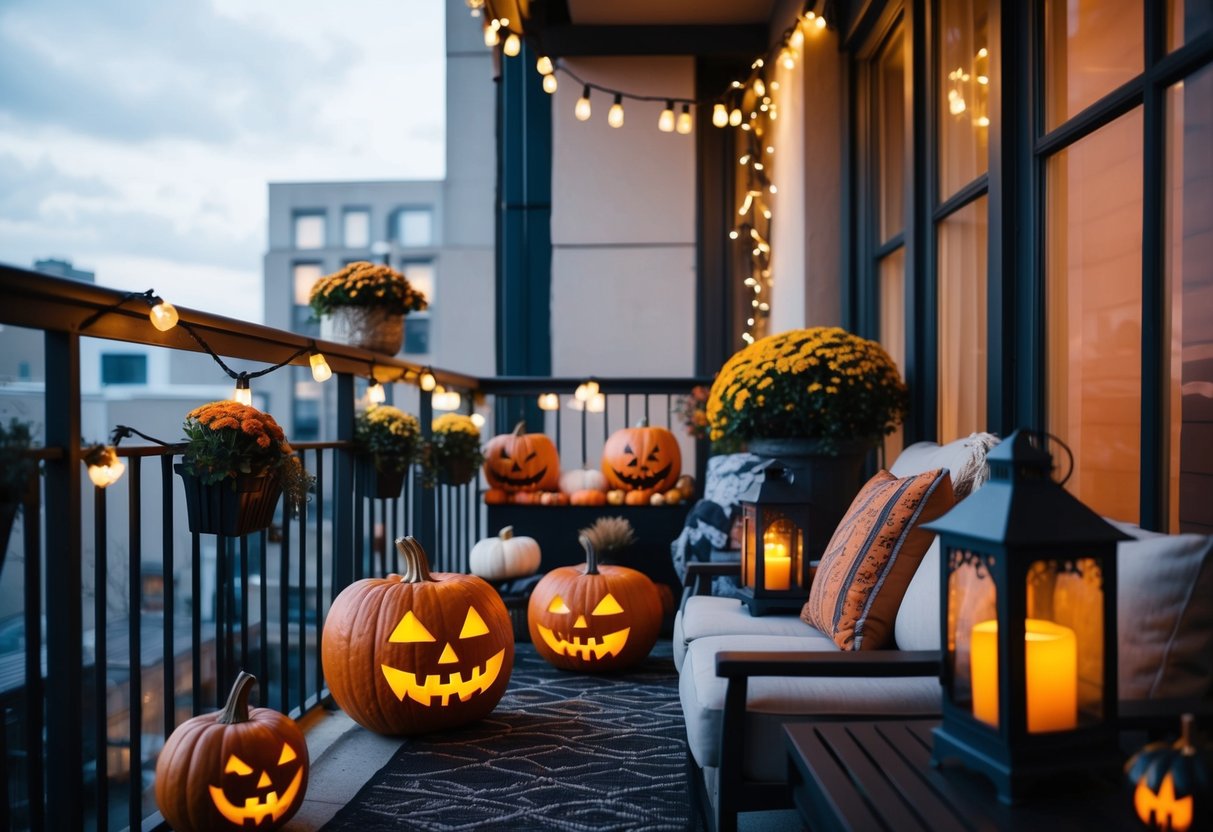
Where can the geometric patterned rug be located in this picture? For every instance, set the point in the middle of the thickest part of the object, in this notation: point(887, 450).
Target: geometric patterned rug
point(562, 751)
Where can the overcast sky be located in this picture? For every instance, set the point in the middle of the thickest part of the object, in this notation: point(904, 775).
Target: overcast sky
point(137, 136)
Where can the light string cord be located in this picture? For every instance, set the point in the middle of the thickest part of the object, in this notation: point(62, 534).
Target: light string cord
point(121, 432)
point(299, 353)
point(150, 296)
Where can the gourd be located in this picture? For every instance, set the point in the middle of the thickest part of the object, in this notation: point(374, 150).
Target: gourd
point(504, 556)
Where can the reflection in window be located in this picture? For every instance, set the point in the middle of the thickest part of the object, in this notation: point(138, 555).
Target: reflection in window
point(303, 277)
point(309, 231)
point(964, 86)
point(891, 139)
point(356, 228)
point(893, 329)
point(1093, 313)
point(415, 227)
point(1091, 48)
point(962, 322)
point(1189, 274)
point(1187, 20)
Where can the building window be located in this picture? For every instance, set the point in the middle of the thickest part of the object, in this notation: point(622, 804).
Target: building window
point(309, 230)
point(303, 277)
point(964, 87)
point(356, 228)
point(1090, 49)
point(417, 335)
point(306, 418)
point(118, 368)
point(414, 227)
point(420, 274)
point(962, 257)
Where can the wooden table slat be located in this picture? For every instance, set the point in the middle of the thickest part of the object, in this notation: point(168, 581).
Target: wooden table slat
point(866, 777)
point(832, 795)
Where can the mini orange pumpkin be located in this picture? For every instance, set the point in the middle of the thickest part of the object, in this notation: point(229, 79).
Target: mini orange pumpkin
point(638, 498)
point(554, 498)
point(522, 461)
point(593, 617)
point(642, 458)
point(234, 767)
point(496, 497)
point(588, 497)
point(446, 662)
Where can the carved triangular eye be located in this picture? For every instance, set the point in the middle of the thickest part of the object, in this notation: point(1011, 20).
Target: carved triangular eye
point(409, 630)
point(237, 766)
point(608, 606)
point(627, 449)
point(558, 605)
point(473, 625)
point(287, 755)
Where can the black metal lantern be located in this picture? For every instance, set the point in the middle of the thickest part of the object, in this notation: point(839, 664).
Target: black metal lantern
point(774, 556)
point(1028, 578)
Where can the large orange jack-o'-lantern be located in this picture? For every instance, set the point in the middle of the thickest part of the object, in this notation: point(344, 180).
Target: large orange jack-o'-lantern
point(594, 617)
point(522, 461)
point(445, 661)
point(642, 458)
point(253, 761)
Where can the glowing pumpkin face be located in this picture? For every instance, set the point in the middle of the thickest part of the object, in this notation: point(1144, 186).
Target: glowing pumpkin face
point(522, 461)
point(642, 458)
point(594, 617)
point(254, 764)
point(445, 662)
point(1173, 783)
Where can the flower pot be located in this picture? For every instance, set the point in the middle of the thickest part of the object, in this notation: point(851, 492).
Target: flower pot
point(368, 327)
point(233, 507)
point(381, 485)
point(457, 472)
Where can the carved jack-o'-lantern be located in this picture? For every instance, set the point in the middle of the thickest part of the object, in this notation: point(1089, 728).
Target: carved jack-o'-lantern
point(254, 763)
point(522, 461)
point(594, 617)
point(642, 458)
point(445, 662)
point(1173, 783)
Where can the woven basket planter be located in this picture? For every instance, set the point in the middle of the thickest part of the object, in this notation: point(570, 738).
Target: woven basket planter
point(367, 327)
point(380, 485)
point(221, 509)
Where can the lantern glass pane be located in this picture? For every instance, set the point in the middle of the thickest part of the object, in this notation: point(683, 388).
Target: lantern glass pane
point(781, 548)
point(972, 616)
point(1065, 644)
point(749, 541)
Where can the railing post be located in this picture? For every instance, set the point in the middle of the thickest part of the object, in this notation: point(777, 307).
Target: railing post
point(64, 614)
point(345, 548)
point(425, 503)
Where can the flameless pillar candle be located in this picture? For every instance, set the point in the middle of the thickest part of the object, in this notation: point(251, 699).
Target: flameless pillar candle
point(1051, 665)
point(778, 566)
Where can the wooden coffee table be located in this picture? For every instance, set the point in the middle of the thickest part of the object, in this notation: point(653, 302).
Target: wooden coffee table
point(877, 775)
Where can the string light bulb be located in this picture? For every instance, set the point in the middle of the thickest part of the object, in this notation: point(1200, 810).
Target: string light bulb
point(375, 394)
point(549, 84)
point(735, 117)
point(596, 403)
point(582, 109)
point(427, 382)
point(615, 114)
point(820, 23)
point(321, 371)
point(586, 390)
point(491, 38)
point(665, 122)
point(447, 400)
point(549, 401)
point(513, 45)
point(760, 89)
point(104, 466)
point(243, 394)
point(684, 120)
point(720, 116)
point(543, 65)
point(163, 315)
point(478, 419)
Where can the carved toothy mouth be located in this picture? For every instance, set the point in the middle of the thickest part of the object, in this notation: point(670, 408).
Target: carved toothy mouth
point(523, 482)
point(593, 648)
point(254, 809)
point(639, 482)
point(424, 692)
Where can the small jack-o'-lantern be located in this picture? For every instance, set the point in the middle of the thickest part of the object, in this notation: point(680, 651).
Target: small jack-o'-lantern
point(1173, 783)
point(642, 458)
point(594, 617)
point(445, 662)
point(253, 763)
point(522, 461)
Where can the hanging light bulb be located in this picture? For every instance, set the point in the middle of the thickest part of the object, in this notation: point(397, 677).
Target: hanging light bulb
point(549, 84)
point(321, 371)
point(586, 390)
point(163, 315)
point(447, 400)
point(543, 65)
point(684, 120)
point(735, 117)
point(582, 108)
point(720, 116)
point(375, 394)
point(788, 56)
point(820, 22)
point(428, 382)
point(665, 122)
point(596, 403)
point(478, 419)
point(104, 466)
point(549, 401)
point(243, 393)
point(513, 45)
point(491, 38)
point(797, 39)
point(615, 114)
point(760, 89)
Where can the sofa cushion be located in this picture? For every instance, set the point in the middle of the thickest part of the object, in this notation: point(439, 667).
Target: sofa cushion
point(965, 459)
point(709, 615)
point(1164, 617)
point(772, 701)
point(917, 624)
point(872, 556)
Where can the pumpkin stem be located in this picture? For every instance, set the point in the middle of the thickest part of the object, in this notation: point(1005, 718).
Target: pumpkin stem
point(416, 566)
point(236, 709)
point(591, 556)
point(643, 423)
point(520, 428)
point(1187, 721)
point(506, 533)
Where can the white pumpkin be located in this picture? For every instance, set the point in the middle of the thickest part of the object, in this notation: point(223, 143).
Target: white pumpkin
point(582, 479)
point(504, 556)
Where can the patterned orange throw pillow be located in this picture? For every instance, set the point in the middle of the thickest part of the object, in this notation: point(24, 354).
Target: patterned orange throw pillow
point(873, 555)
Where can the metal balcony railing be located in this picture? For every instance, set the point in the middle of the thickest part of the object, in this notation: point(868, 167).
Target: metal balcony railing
point(122, 624)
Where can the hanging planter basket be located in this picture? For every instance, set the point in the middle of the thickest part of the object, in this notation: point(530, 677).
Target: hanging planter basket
point(221, 509)
point(367, 327)
point(457, 472)
point(380, 485)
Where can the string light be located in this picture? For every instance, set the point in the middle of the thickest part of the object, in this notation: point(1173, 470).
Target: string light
point(446, 400)
point(582, 109)
point(321, 371)
point(375, 394)
point(243, 394)
point(549, 84)
point(735, 117)
point(163, 315)
point(104, 466)
point(491, 38)
point(543, 65)
point(478, 419)
point(585, 390)
point(665, 122)
point(513, 45)
point(427, 381)
point(549, 401)
point(684, 120)
point(615, 114)
point(720, 116)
